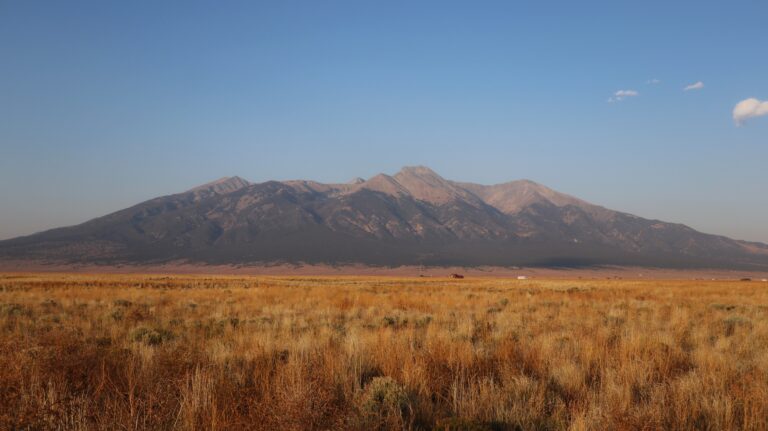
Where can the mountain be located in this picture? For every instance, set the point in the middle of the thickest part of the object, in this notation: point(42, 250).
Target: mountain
point(413, 217)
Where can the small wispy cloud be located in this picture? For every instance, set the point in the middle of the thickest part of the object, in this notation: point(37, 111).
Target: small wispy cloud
point(749, 108)
point(698, 85)
point(621, 95)
point(626, 93)
point(653, 81)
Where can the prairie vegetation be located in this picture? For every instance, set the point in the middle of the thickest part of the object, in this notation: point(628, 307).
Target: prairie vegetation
point(290, 353)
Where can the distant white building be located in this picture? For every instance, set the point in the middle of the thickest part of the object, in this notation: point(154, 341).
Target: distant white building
point(522, 277)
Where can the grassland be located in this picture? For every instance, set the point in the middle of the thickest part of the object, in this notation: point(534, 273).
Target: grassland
point(280, 353)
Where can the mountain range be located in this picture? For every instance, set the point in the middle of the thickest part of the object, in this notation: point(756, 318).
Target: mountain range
point(415, 217)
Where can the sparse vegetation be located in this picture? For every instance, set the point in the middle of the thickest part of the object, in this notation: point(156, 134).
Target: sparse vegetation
point(315, 353)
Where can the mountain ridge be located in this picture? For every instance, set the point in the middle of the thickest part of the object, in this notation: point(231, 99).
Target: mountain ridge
point(412, 217)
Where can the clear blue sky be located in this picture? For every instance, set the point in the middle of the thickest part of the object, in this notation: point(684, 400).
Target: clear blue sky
point(107, 103)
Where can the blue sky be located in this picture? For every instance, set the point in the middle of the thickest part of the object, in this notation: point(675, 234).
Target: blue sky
point(105, 104)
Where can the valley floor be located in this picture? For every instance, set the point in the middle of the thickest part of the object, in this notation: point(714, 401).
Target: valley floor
point(588, 272)
point(110, 351)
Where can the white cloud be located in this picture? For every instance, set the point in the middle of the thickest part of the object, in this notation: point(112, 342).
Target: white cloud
point(695, 86)
point(621, 94)
point(749, 108)
point(653, 81)
point(626, 93)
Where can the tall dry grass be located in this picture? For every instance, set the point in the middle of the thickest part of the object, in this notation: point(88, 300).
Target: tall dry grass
point(150, 352)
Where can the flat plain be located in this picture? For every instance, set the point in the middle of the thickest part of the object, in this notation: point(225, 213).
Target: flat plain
point(134, 352)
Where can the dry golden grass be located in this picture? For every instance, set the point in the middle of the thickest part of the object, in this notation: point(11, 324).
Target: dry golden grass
point(282, 353)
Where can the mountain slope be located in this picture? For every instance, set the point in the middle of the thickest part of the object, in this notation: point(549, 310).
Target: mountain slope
point(413, 217)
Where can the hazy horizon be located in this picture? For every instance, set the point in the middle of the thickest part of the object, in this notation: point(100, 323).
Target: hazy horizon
point(644, 109)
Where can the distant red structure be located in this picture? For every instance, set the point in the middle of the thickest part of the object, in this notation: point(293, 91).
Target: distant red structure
point(457, 276)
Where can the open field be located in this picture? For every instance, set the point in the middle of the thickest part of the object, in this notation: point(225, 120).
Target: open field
point(105, 351)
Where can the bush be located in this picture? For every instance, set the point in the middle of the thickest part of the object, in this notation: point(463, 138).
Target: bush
point(151, 337)
point(732, 322)
point(393, 322)
point(459, 424)
point(50, 303)
point(14, 310)
point(117, 315)
point(385, 402)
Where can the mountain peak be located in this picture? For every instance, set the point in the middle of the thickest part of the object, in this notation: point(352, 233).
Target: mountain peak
point(417, 171)
point(514, 196)
point(223, 185)
point(425, 184)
